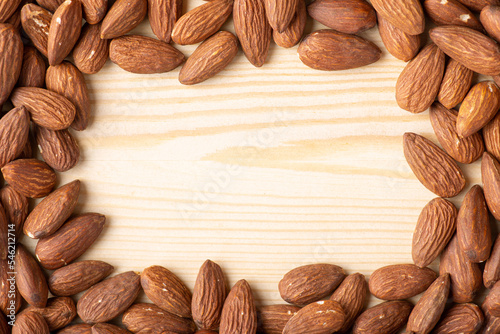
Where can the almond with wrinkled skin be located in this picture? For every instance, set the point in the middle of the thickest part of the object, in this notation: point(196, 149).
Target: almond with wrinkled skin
point(30, 323)
point(202, 22)
point(399, 44)
point(455, 85)
point(107, 299)
point(33, 69)
point(433, 167)
point(51, 213)
point(16, 208)
point(239, 315)
point(471, 48)
point(292, 35)
point(11, 56)
point(323, 317)
point(15, 18)
point(310, 283)
point(103, 328)
point(94, 10)
point(91, 52)
point(400, 281)
point(329, 50)
point(280, 13)
point(30, 177)
point(347, 16)
point(76, 329)
point(14, 130)
point(7, 8)
point(407, 15)
point(419, 82)
point(70, 241)
point(122, 17)
point(162, 16)
point(51, 5)
point(149, 318)
point(210, 58)
point(36, 24)
point(491, 135)
point(466, 276)
point(460, 318)
point(478, 5)
point(77, 277)
point(451, 12)
point(30, 280)
point(59, 149)
point(8, 301)
point(385, 318)
point(273, 318)
point(58, 313)
point(490, 173)
point(490, 18)
point(464, 150)
point(492, 324)
point(352, 295)
point(491, 303)
point(144, 55)
point(252, 29)
point(491, 273)
point(209, 294)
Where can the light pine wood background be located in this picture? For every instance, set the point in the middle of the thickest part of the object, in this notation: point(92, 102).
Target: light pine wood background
point(258, 169)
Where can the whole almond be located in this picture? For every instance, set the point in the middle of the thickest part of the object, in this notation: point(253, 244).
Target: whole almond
point(59, 149)
point(16, 208)
point(280, 13)
point(460, 318)
point(433, 167)
point(491, 303)
point(15, 18)
point(491, 134)
point(347, 16)
point(451, 12)
point(400, 281)
point(47, 109)
point(323, 317)
point(490, 18)
point(30, 322)
point(455, 85)
point(399, 44)
point(210, 58)
point(51, 213)
point(30, 279)
point(144, 55)
point(7, 8)
point(76, 329)
point(385, 318)
point(149, 318)
point(273, 318)
point(209, 294)
point(70, 241)
point(253, 29)
point(14, 130)
point(490, 173)
point(109, 298)
point(406, 15)
point(292, 35)
point(162, 16)
point(10, 299)
point(94, 10)
point(329, 50)
point(491, 273)
point(122, 17)
point(51, 5)
point(466, 276)
point(469, 47)
point(202, 22)
point(58, 313)
point(11, 59)
point(239, 315)
point(36, 24)
point(30, 177)
point(491, 324)
point(91, 52)
point(310, 283)
point(103, 328)
point(464, 150)
point(419, 82)
point(33, 69)
point(478, 5)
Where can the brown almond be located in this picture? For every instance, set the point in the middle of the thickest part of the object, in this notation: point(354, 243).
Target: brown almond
point(323, 317)
point(94, 10)
point(455, 85)
point(144, 55)
point(491, 273)
point(30, 322)
point(347, 16)
point(30, 280)
point(162, 16)
point(432, 166)
point(15, 18)
point(14, 130)
point(7, 8)
point(329, 50)
point(253, 30)
point(16, 208)
point(490, 18)
point(292, 35)
point(201, 22)
point(492, 324)
point(239, 315)
point(478, 5)
point(151, 319)
point(33, 69)
point(400, 281)
point(385, 318)
point(51, 5)
point(109, 298)
point(103, 328)
point(273, 318)
point(210, 58)
point(122, 17)
point(419, 82)
point(91, 52)
point(491, 303)
point(58, 313)
point(451, 12)
point(460, 318)
point(59, 149)
point(407, 15)
point(30, 177)
point(469, 47)
point(491, 135)
point(77, 277)
point(76, 329)
point(306, 284)
point(11, 59)
point(36, 24)
point(399, 44)
point(209, 294)
point(10, 298)
point(70, 241)
point(490, 173)
point(51, 213)
point(280, 13)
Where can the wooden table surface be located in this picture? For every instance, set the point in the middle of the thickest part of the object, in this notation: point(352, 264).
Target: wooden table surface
point(258, 169)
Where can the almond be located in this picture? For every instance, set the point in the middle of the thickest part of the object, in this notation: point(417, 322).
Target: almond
point(30, 177)
point(399, 44)
point(70, 241)
point(10, 302)
point(347, 16)
point(11, 59)
point(103, 328)
point(14, 130)
point(7, 8)
point(58, 313)
point(76, 329)
point(273, 318)
point(490, 18)
point(162, 16)
point(36, 24)
point(329, 50)
point(323, 317)
point(469, 47)
point(94, 10)
point(292, 35)
point(51, 213)
point(433, 167)
point(253, 29)
point(30, 322)
point(209, 295)
point(451, 12)
point(478, 5)
point(491, 303)
point(144, 55)
point(310, 283)
point(33, 69)
point(16, 208)
point(491, 134)
point(419, 82)
point(492, 324)
point(59, 149)
point(51, 5)
point(406, 15)
point(239, 315)
point(385, 318)
point(491, 273)
point(15, 18)
point(30, 279)
point(202, 22)
point(149, 318)
point(460, 318)
point(455, 85)
point(107, 299)
point(490, 172)
point(91, 52)
point(122, 17)
point(280, 13)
